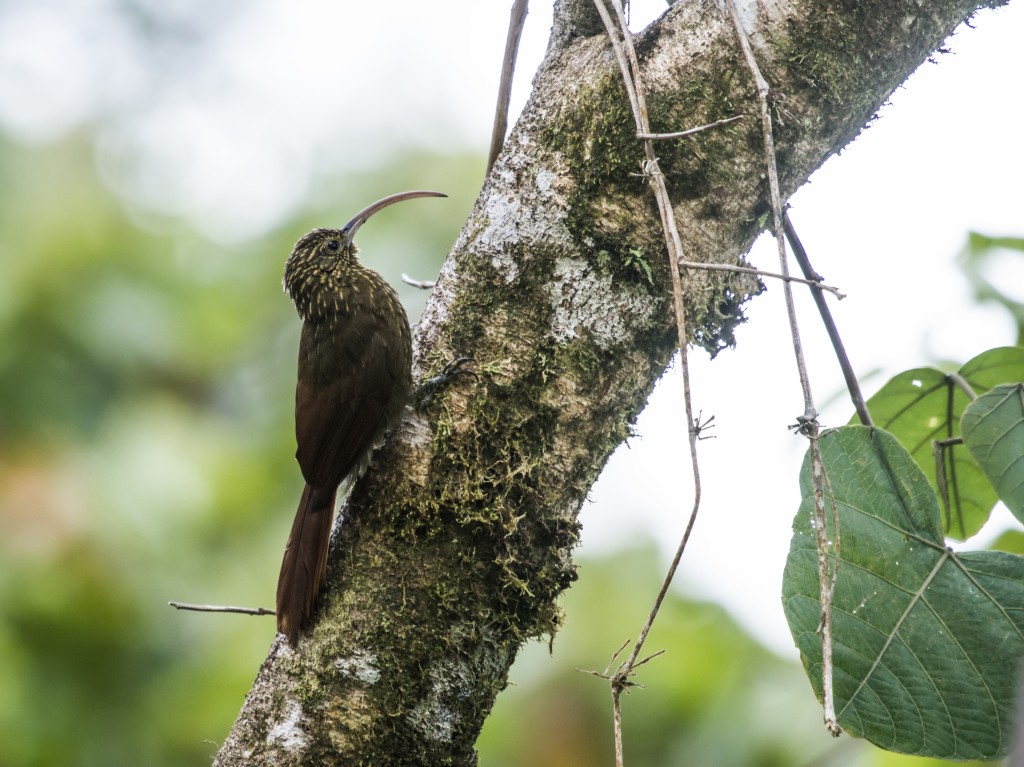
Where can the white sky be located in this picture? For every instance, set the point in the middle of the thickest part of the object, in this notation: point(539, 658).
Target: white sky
point(884, 222)
point(318, 86)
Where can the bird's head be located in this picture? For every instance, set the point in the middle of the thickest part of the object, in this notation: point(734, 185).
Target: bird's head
point(322, 258)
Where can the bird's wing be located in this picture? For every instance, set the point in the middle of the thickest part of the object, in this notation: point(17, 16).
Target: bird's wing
point(345, 398)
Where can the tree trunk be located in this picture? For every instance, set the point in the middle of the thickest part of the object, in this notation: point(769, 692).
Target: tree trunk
point(454, 548)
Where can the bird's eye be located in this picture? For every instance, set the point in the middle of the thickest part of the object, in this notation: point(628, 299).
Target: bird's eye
point(333, 244)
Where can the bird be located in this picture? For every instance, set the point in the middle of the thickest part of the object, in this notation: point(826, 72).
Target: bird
point(354, 381)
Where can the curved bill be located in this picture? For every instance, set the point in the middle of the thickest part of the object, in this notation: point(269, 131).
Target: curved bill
point(360, 218)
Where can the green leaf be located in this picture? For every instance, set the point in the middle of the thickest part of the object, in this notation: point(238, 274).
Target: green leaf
point(979, 254)
point(1009, 540)
point(1004, 364)
point(925, 640)
point(993, 429)
point(922, 405)
point(978, 243)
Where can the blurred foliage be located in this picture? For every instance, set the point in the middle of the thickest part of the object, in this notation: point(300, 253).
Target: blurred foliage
point(146, 388)
point(146, 380)
point(981, 260)
point(716, 697)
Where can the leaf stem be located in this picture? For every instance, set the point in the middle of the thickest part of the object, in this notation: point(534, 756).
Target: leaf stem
point(815, 279)
point(965, 387)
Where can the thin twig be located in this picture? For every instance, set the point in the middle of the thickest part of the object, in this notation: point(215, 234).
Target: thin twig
point(631, 79)
point(814, 279)
point(615, 655)
point(689, 132)
point(837, 546)
point(221, 609)
point(421, 284)
point(761, 273)
point(617, 719)
point(776, 201)
point(649, 658)
point(826, 583)
point(508, 68)
point(807, 423)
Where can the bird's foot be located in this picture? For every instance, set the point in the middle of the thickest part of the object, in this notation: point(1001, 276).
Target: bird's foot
point(427, 390)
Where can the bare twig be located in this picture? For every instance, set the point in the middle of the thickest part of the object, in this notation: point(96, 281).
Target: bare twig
point(650, 657)
point(689, 132)
point(617, 722)
point(508, 68)
point(221, 609)
point(776, 201)
point(630, 67)
point(761, 273)
point(826, 583)
point(836, 547)
point(700, 426)
point(807, 423)
point(421, 284)
point(814, 279)
point(615, 655)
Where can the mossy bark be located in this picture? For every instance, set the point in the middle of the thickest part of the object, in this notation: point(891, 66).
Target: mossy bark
point(454, 548)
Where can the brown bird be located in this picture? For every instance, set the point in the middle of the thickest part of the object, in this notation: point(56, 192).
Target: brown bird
point(354, 381)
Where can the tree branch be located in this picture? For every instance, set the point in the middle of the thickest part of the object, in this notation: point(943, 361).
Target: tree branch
point(453, 549)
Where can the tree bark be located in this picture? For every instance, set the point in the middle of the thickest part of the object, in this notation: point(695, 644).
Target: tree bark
point(453, 549)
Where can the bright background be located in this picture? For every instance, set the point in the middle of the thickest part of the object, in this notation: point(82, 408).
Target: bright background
point(159, 160)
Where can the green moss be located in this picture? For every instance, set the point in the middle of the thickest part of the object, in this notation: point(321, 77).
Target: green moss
point(619, 229)
point(631, 263)
point(487, 474)
point(596, 135)
point(841, 54)
point(818, 50)
point(585, 358)
point(490, 474)
point(698, 165)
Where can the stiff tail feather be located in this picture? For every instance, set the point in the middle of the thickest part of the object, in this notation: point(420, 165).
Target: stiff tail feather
point(304, 568)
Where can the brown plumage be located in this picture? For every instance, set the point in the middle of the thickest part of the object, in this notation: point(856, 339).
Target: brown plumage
point(354, 381)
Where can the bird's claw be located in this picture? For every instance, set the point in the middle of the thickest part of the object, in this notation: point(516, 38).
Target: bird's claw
point(427, 390)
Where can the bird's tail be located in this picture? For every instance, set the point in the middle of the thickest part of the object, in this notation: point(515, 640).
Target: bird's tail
point(304, 569)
